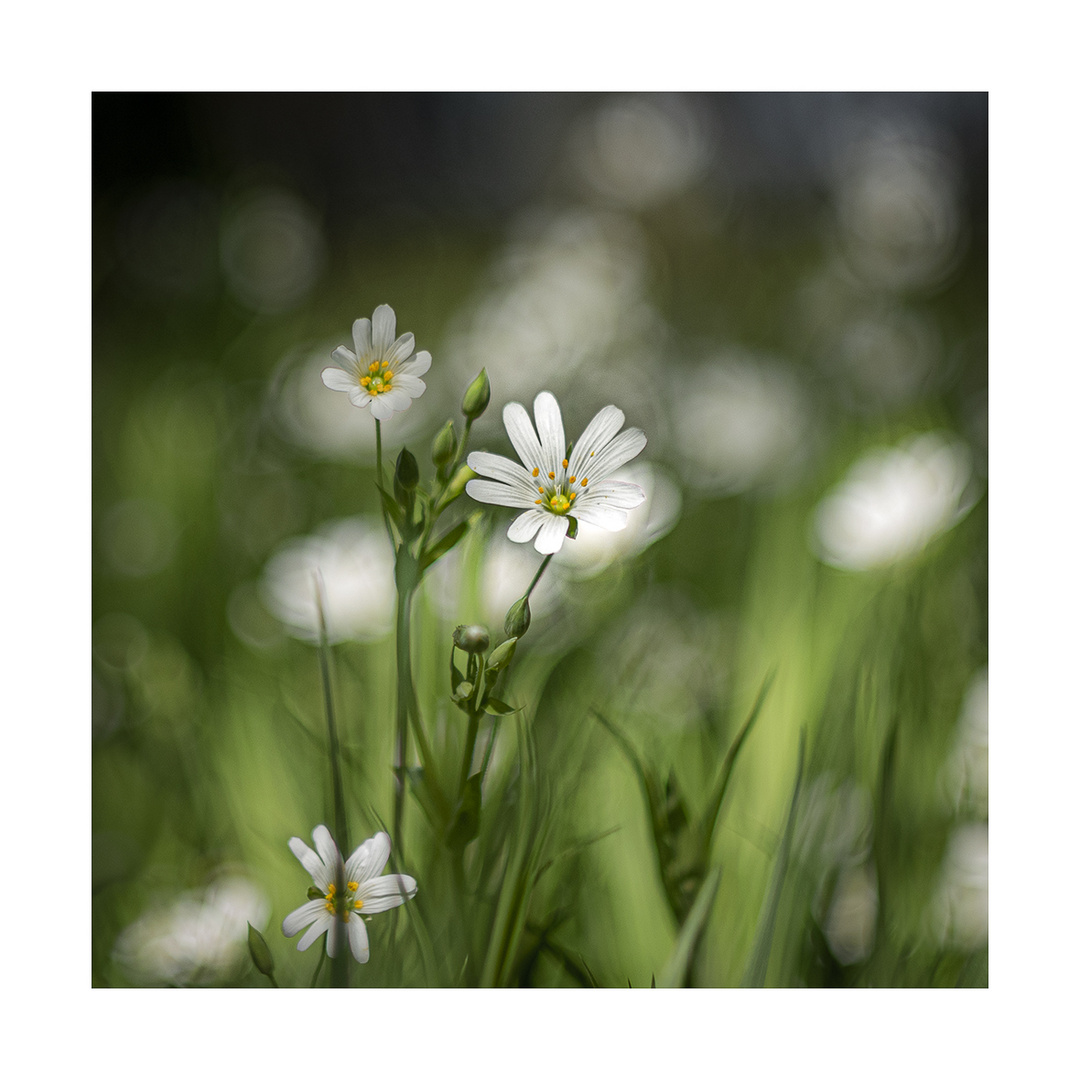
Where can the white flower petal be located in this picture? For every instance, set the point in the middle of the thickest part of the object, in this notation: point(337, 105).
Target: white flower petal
point(359, 397)
point(523, 528)
point(344, 357)
point(552, 531)
point(327, 849)
point(409, 384)
point(489, 491)
point(336, 934)
point(383, 406)
point(368, 860)
point(500, 468)
point(336, 379)
point(400, 351)
point(296, 920)
point(549, 425)
point(310, 862)
point(383, 325)
point(603, 427)
point(361, 335)
point(617, 452)
point(317, 928)
point(519, 428)
point(384, 893)
point(418, 365)
point(358, 941)
point(615, 493)
point(607, 517)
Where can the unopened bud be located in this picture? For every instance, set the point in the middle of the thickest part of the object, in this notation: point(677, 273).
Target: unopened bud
point(472, 639)
point(477, 396)
point(407, 472)
point(261, 956)
point(518, 619)
point(444, 445)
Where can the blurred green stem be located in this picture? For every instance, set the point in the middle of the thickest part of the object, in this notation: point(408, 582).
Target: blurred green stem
point(404, 700)
point(543, 567)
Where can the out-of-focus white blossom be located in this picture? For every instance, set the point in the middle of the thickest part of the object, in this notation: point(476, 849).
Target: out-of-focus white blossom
point(197, 939)
point(892, 502)
point(742, 422)
point(852, 918)
point(965, 777)
point(354, 561)
point(959, 913)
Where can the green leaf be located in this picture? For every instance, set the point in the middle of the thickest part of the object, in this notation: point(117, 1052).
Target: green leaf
point(261, 956)
point(758, 964)
point(390, 505)
point(466, 823)
point(421, 787)
point(447, 541)
point(677, 968)
point(495, 707)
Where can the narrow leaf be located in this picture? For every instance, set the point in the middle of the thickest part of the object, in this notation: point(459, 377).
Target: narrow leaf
point(759, 957)
point(678, 966)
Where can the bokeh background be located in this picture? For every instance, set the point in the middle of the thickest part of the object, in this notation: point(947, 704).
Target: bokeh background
point(787, 292)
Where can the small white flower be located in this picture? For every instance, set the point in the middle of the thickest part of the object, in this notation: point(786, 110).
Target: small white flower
point(551, 486)
point(347, 890)
point(383, 371)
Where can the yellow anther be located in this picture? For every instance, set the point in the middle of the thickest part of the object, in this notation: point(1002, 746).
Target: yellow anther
point(386, 363)
point(551, 476)
point(536, 472)
point(373, 366)
point(573, 479)
point(538, 501)
point(573, 495)
point(565, 463)
point(592, 453)
point(365, 381)
point(353, 886)
point(584, 481)
point(541, 490)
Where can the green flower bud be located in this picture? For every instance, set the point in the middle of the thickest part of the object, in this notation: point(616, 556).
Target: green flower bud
point(477, 396)
point(261, 956)
point(502, 655)
point(407, 472)
point(472, 639)
point(518, 619)
point(442, 449)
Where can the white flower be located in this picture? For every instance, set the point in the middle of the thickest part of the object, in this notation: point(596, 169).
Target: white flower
point(552, 485)
point(197, 939)
point(347, 890)
point(382, 371)
point(895, 501)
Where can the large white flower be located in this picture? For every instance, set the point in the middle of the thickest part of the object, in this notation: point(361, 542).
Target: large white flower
point(383, 370)
point(347, 890)
point(552, 486)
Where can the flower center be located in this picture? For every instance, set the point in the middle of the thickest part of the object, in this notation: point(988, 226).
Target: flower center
point(342, 905)
point(559, 494)
point(379, 378)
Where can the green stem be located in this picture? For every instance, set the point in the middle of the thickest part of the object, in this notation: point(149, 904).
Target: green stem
point(339, 969)
point(543, 567)
point(379, 480)
point(404, 702)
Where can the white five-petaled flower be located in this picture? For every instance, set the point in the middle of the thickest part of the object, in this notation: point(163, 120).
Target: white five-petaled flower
point(383, 371)
point(350, 891)
point(551, 485)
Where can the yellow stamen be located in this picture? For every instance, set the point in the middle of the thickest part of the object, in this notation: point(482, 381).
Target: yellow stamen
point(373, 366)
point(541, 490)
point(565, 463)
point(573, 479)
point(386, 363)
point(573, 495)
point(365, 381)
point(584, 481)
point(551, 476)
point(536, 472)
point(538, 501)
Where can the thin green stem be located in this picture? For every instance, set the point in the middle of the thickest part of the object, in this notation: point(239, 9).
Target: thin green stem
point(379, 480)
point(543, 567)
point(405, 695)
